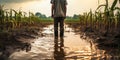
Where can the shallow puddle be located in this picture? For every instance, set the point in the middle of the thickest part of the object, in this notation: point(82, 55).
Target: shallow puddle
point(69, 47)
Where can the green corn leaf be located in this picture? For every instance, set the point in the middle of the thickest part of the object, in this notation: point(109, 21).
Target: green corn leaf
point(114, 4)
point(117, 8)
point(14, 11)
point(106, 5)
point(10, 14)
point(103, 5)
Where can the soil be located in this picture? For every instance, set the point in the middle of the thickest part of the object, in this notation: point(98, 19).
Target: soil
point(104, 41)
point(18, 39)
point(94, 45)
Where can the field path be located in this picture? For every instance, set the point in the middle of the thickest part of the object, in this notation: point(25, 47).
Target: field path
point(70, 47)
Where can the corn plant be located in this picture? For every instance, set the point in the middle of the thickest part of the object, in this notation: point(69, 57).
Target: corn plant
point(106, 21)
point(1, 14)
point(1, 17)
point(109, 14)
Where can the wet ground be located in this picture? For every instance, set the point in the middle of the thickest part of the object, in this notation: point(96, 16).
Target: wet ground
point(45, 47)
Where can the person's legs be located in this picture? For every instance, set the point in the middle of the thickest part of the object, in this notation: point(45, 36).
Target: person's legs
point(62, 27)
point(56, 27)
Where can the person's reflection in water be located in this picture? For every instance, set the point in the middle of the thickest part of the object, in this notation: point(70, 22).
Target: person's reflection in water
point(58, 49)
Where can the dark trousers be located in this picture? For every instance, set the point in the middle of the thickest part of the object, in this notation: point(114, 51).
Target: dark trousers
point(59, 21)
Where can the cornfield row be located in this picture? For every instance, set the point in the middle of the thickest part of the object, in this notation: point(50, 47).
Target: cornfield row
point(107, 20)
point(10, 18)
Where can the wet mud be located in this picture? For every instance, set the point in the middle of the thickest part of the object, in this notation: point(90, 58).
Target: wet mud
point(43, 46)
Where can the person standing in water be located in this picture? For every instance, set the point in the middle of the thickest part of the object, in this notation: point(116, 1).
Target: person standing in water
point(58, 13)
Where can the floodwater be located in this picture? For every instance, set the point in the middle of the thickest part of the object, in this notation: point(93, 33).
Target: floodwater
point(69, 47)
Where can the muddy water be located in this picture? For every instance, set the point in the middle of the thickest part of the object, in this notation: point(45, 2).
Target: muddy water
point(69, 47)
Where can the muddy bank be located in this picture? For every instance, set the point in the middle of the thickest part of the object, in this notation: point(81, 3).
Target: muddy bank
point(38, 43)
point(108, 41)
point(98, 36)
point(18, 39)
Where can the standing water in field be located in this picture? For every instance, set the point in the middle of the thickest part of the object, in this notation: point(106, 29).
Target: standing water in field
point(69, 47)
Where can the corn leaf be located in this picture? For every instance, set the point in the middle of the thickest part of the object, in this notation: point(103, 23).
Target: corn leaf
point(114, 4)
point(100, 6)
point(117, 8)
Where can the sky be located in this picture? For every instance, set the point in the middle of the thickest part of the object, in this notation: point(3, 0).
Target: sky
point(44, 6)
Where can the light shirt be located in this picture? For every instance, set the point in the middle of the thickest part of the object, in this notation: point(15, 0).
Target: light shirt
point(59, 7)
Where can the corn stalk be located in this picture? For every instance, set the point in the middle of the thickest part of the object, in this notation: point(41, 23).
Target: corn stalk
point(1, 17)
point(109, 14)
point(1, 14)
